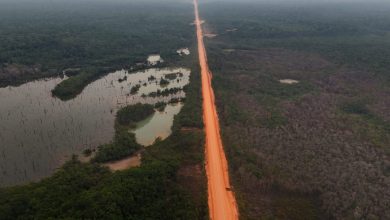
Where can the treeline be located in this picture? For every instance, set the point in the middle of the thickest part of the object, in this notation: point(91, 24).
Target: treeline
point(355, 35)
point(165, 92)
point(70, 88)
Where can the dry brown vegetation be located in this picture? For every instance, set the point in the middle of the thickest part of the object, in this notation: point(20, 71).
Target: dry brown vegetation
point(323, 142)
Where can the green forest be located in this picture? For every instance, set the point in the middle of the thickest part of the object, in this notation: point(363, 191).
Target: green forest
point(93, 40)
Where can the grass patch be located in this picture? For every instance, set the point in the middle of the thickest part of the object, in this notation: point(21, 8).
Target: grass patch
point(356, 107)
point(369, 126)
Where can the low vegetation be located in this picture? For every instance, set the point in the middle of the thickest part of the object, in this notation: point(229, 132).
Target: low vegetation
point(356, 107)
point(165, 92)
point(135, 89)
point(160, 106)
point(171, 76)
point(164, 82)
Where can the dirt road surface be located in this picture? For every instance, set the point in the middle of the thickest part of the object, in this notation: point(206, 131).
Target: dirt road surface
point(222, 203)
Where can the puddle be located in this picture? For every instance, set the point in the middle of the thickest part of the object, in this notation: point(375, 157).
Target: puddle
point(288, 81)
point(154, 59)
point(38, 132)
point(232, 30)
point(210, 35)
point(183, 51)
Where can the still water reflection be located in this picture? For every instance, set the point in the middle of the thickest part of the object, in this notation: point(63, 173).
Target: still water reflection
point(37, 131)
point(156, 126)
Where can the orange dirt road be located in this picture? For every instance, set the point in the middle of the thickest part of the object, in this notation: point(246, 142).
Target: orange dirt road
point(222, 204)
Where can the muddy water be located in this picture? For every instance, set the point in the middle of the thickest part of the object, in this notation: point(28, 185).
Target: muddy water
point(154, 59)
point(156, 126)
point(38, 132)
point(183, 52)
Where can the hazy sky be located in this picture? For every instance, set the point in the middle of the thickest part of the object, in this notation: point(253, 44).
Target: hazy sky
point(302, 1)
point(202, 1)
point(355, 3)
point(273, 2)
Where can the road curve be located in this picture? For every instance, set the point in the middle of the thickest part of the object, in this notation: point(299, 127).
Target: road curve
point(222, 203)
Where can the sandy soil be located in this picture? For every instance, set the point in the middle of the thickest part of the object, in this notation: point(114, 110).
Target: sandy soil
point(133, 161)
point(288, 81)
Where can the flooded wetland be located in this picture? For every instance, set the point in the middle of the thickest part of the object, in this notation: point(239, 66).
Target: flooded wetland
point(38, 132)
point(100, 111)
